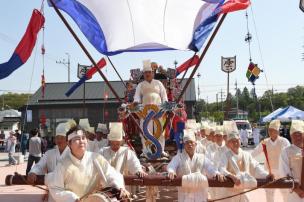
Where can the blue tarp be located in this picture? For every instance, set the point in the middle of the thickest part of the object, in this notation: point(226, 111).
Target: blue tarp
point(269, 117)
point(285, 115)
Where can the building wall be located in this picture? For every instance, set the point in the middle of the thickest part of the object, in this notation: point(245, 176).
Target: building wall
point(56, 114)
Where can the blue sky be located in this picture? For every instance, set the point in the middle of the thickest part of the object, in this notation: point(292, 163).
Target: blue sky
point(279, 26)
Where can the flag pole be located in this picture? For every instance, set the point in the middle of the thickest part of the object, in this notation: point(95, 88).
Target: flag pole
point(84, 49)
point(90, 58)
point(202, 56)
point(198, 64)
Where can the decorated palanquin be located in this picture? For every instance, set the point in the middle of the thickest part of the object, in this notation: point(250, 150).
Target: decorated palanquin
point(167, 119)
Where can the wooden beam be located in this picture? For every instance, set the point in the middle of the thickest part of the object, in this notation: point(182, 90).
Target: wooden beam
point(160, 180)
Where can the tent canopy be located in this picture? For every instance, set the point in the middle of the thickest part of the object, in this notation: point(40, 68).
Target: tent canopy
point(285, 114)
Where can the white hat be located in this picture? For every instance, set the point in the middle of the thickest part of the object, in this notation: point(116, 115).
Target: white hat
point(189, 135)
point(204, 126)
point(91, 130)
point(233, 135)
point(296, 126)
point(191, 124)
point(219, 130)
point(62, 129)
point(275, 124)
point(102, 128)
point(147, 66)
point(71, 123)
point(211, 129)
point(229, 126)
point(116, 131)
point(84, 124)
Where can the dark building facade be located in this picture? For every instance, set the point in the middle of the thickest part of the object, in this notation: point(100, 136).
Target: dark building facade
point(88, 101)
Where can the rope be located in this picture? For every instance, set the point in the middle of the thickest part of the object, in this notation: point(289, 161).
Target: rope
point(261, 55)
point(31, 81)
point(253, 189)
point(248, 37)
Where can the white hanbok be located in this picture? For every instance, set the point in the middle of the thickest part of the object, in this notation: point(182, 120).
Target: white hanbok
point(241, 164)
point(154, 93)
point(256, 135)
point(244, 137)
point(91, 145)
point(214, 154)
point(291, 165)
point(74, 178)
point(274, 149)
point(100, 144)
point(49, 161)
point(182, 164)
point(124, 160)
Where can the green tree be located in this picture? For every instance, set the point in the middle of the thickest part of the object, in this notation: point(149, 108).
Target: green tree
point(13, 100)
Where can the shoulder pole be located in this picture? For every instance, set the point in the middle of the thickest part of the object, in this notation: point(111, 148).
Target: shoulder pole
point(202, 56)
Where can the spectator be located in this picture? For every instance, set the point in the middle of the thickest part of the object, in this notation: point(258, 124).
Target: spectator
point(18, 136)
point(44, 145)
point(2, 138)
point(130, 92)
point(10, 148)
point(23, 142)
point(34, 149)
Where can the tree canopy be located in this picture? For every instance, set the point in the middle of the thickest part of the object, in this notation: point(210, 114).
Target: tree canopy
point(256, 107)
point(13, 100)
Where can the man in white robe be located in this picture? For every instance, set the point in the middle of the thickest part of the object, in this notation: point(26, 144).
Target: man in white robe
point(193, 168)
point(244, 137)
point(215, 152)
point(51, 158)
point(101, 140)
point(218, 146)
point(151, 91)
point(274, 145)
point(89, 132)
point(210, 137)
point(82, 172)
point(241, 168)
point(256, 132)
point(191, 124)
point(122, 158)
point(291, 160)
point(204, 133)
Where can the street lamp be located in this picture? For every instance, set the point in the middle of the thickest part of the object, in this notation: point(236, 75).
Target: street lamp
point(67, 64)
point(175, 63)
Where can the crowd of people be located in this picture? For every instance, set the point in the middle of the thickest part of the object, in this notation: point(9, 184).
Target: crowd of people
point(79, 165)
point(85, 160)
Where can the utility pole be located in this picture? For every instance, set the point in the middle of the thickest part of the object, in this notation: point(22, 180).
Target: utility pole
point(237, 100)
point(207, 107)
point(198, 86)
point(222, 100)
point(217, 106)
point(67, 64)
point(2, 101)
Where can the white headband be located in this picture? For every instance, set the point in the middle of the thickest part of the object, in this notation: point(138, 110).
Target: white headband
point(78, 133)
